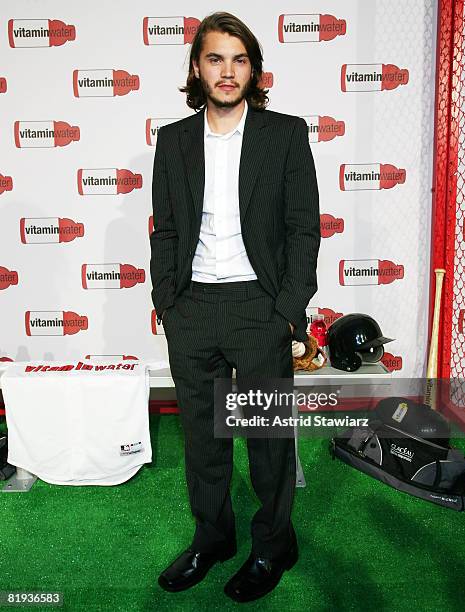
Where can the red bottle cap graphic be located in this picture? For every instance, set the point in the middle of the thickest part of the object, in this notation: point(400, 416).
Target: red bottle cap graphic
point(392, 362)
point(6, 183)
point(7, 278)
point(329, 225)
point(267, 80)
point(3, 85)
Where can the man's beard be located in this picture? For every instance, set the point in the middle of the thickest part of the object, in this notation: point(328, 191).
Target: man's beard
point(228, 103)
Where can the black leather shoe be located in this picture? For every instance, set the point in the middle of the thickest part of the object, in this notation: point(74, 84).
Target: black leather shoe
point(258, 576)
point(191, 567)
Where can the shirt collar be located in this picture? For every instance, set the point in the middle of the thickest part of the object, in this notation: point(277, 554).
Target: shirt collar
point(239, 127)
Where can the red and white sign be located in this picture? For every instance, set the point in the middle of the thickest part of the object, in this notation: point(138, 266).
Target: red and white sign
point(151, 129)
point(49, 230)
point(323, 129)
point(103, 83)
point(39, 33)
point(369, 272)
point(111, 276)
point(372, 77)
point(309, 28)
point(107, 181)
point(45, 133)
point(54, 323)
point(358, 177)
point(169, 30)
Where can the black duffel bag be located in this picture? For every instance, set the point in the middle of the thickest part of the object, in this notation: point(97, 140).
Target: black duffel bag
point(6, 470)
point(406, 445)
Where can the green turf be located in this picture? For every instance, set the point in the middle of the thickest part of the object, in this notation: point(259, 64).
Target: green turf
point(363, 545)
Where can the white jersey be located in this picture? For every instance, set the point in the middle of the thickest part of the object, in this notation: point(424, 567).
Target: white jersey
point(78, 423)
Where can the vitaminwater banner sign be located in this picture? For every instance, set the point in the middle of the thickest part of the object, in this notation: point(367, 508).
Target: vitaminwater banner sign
point(85, 87)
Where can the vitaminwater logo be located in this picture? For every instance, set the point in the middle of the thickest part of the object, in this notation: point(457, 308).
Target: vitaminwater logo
point(393, 363)
point(369, 272)
point(151, 129)
point(309, 28)
point(323, 128)
point(42, 230)
point(5, 359)
point(372, 77)
point(39, 33)
point(45, 133)
point(107, 181)
point(329, 225)
point(111, 276)
point(358, 177)
point(54, 323)
point(6, 183)
point(44, 367)
point(329, 315)
point(169, 30)
point(267, 80)
point(112, 357)
point(7, 278)
point(3, 85)
point(150, 225)
point(157, 324)
point(103, 83)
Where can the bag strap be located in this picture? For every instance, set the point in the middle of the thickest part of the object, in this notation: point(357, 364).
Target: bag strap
point(360, 437)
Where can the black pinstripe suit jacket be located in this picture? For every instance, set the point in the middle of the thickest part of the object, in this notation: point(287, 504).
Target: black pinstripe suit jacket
point(278, 201)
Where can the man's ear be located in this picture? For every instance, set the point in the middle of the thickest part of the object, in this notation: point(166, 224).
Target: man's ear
point(196, 69)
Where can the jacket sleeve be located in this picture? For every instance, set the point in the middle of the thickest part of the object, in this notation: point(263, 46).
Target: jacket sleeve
point(302, 227)
point(164, 238)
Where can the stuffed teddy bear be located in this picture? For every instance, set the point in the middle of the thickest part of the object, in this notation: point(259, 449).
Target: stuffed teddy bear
point(307, 355)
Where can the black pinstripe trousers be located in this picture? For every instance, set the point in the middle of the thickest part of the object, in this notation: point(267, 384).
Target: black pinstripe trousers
point(210, 329)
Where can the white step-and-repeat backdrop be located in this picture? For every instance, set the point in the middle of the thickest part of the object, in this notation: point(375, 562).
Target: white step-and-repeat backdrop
point(84, 87)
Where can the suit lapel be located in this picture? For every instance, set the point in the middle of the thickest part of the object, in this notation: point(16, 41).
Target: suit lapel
point(252, 156)
point(192, 146)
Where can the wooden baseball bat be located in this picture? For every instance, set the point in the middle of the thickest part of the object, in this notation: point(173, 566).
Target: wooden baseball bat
point(432, 365)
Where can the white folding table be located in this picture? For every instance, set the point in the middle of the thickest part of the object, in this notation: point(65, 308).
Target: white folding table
point(23, 480)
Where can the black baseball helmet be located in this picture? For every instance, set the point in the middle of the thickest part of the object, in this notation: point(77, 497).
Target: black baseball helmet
point(353, 339)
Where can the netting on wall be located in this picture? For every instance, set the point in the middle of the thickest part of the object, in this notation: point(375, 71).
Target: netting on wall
point(448, 238)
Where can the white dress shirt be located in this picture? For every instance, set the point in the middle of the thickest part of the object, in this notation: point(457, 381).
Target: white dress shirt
point(220, 255)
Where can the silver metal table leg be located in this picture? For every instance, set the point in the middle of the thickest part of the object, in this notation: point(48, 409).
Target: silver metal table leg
point(20, 482)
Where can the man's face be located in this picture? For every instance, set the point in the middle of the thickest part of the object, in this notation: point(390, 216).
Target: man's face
point(224, 69)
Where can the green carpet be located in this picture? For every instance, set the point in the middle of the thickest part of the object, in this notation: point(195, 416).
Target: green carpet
point(363, 545)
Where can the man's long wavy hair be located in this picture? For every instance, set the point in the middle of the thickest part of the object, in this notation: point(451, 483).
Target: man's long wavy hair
point(225, 22)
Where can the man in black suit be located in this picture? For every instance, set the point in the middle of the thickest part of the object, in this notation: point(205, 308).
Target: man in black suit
point(233, 267)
